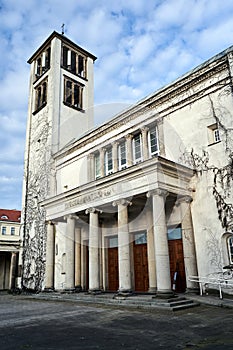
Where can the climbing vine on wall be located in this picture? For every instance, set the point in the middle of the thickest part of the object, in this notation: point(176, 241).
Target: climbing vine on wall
point(37, 189)
point(222, 176)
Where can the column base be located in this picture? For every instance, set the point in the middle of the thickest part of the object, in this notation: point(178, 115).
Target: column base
point(78, 289)
point(123, 293)
point(164, 294)
point(94, 291)
point(152, 290)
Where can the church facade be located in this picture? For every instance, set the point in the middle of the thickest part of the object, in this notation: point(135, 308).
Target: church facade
point(138, 204)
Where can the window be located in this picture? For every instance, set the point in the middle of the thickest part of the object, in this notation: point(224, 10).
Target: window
point(3, 230)
point(73, 94)
point(108, 162)
point(213, 134)
point(140, 238)
point(97, 166)
point(74, 62)
point(122, 155)
point(216, 135)
point(41, 96)
point(137, 148)
point(153, 142)
point(230, 248)
point(12, 231)
point(42, 63)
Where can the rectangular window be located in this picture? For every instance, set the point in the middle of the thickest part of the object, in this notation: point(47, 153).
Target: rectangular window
point(97, 166)
point(40, 95)
point(73, 94)
point(3, 230)
point(140, 238)
point(216, 135)
point(74, 62)
point(230, 249)
point(122, 155)
point(108, 162)
point(42, 63)
point(213, 134)
point(12, 231)
point(137, 148)
point(153, 142)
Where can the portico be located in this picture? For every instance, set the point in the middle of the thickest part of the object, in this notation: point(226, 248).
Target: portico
point(133, 213)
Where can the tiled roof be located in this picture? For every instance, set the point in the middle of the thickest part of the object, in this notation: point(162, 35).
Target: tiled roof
point(10, 215)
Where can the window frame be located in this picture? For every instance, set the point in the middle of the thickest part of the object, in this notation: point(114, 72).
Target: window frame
point(3, 230)
point(155, 130)
point(42, 62)
point(13, 231)
point(122, 165)
point(74, 62)
point(230, 248)
point(140, 159)
point(108, 161)
point(73, 94)
point(41, 92)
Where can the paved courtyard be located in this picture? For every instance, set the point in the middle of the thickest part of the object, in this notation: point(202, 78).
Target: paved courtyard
point(26, 323)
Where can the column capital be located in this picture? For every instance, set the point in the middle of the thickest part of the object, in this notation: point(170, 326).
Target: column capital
point(129, 136)
point(115, 143)
point(90, 156)
point(183, 199)
point(93, 211)
point(50, 222)
point(122, 201)
point(144, 129)
point(157, 192)
point(71, 216)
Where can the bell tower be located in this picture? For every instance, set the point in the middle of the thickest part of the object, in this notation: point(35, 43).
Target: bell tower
point(61, 85)
point(60, 109)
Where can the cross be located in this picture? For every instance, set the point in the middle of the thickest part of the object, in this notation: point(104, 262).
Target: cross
point(63, 29)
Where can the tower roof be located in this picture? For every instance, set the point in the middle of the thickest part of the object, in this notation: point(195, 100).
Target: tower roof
point(64, 39)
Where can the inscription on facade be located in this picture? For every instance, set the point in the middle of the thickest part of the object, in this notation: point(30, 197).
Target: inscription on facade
point(89, 198)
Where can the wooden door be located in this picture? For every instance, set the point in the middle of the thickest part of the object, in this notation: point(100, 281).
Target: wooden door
point(141, 278)
point(113, 271)
point(177, 269)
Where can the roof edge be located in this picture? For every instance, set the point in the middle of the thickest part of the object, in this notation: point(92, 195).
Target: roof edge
point(63, 38)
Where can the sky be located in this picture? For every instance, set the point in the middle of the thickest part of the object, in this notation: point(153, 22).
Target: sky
point(141, 46)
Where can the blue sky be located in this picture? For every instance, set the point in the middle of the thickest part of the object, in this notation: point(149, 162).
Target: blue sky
point(141, 46)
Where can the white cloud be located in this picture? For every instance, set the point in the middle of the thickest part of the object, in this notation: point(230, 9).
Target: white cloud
point(140, 47)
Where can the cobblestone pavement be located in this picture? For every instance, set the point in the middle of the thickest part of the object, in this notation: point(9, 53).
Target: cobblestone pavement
point(26, 323)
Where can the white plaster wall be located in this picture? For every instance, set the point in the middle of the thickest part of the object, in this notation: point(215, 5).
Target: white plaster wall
point(72, 175)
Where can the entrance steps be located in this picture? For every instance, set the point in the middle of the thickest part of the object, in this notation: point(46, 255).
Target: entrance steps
point(146, 302)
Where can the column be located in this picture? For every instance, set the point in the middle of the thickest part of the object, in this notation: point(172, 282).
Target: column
point(162, 152)
point(129, 155)
point(12, 270)
point(94, 273)
point(151, 252)
point(115, 156)
point(102, 169)
point(70, 251)
point(91, 167)
point(78, 259)
point(50, 248)
point(125, 284)
point(145, 152)
point(190, 261)
point(161, 243)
